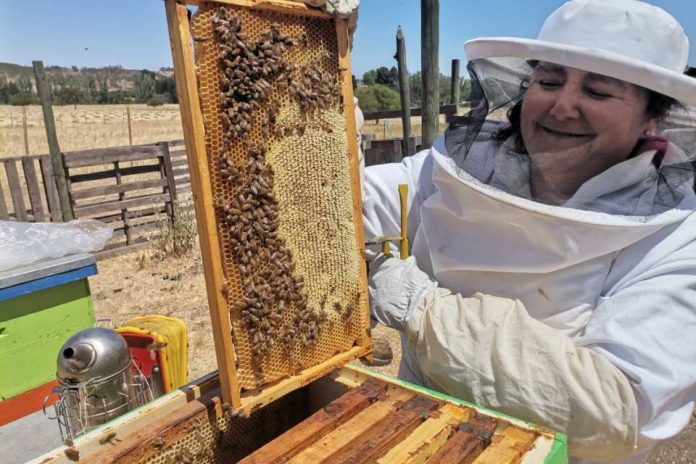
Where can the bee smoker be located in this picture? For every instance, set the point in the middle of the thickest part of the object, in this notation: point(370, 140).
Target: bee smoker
point(97, 381)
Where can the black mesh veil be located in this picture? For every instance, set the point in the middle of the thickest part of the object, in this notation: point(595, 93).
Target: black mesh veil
point(486, 144)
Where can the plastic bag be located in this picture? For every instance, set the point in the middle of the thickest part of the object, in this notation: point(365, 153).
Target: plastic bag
point(27, 242)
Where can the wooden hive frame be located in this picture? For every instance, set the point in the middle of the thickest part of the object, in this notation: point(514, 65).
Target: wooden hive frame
point(351, 415)
point(198, 159)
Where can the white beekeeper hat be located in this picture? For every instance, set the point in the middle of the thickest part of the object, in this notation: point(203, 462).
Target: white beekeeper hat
point(625, 39)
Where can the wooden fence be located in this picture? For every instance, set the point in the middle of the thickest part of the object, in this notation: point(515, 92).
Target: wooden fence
point(130, 188)
point(27, 190)
point(388, 150)
point(134, 189)
point(449, 111)
point(177, 153)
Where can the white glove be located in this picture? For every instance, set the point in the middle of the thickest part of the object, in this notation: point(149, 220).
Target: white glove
point(396, 287)
point(341, 8)
point(489, 351)
point(346, 9)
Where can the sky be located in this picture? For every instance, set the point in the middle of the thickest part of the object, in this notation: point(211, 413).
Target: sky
point(133, 33)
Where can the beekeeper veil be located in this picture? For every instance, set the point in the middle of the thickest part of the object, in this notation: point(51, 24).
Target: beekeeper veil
point(595, 114)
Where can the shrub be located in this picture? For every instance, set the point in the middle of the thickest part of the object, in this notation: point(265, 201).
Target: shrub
point(157, 100)
point(378, 97)
point(178, 238)
point(23, 98)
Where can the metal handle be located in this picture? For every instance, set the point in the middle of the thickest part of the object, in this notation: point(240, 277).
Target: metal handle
point(55, 391)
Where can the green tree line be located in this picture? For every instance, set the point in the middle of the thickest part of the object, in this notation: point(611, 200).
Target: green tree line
point(91, 87)
point(380, 89)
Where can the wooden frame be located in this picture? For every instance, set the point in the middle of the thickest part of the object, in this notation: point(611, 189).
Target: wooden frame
point(192, 121)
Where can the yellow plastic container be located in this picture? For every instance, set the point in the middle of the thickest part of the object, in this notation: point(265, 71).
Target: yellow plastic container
point(159, 341)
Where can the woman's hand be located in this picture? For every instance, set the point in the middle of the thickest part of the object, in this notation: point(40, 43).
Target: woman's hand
point(345, 9)
point(396, 288)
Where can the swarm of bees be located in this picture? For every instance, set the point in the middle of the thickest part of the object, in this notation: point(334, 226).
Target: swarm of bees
point(315, 90)
point(247, 71)
point(274, 306)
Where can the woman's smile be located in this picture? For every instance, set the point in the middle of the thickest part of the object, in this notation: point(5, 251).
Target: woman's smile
point(558, 132)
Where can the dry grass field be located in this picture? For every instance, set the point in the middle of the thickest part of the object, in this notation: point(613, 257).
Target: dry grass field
point(99, 126)
point(87, 126)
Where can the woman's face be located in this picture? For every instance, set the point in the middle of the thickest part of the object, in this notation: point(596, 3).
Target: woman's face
point(576, 124)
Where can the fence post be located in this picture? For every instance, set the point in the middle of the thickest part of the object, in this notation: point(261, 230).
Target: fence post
point(24, 130)
point(130, 131)
point(404, 91)
point(52, 137)
point(455, 89)
point(430, 40)
point(168, 171)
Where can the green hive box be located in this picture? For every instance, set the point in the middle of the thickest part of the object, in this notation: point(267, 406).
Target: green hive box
point(41, 306)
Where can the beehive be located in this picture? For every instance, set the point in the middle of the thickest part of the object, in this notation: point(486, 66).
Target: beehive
point(273, 103)
point(349, 416)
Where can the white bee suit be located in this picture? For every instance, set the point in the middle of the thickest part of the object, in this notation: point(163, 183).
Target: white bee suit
point(578, 320)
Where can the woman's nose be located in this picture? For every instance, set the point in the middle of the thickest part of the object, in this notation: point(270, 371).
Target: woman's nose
point(565, 105)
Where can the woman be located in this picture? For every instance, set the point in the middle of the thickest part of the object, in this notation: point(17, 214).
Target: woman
point(553, 274)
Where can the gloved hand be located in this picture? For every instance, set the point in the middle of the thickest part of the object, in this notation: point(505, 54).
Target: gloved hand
point(488, 350)
point(347, 9)
point(396, 287)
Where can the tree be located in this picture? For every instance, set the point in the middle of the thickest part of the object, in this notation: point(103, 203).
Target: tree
point(415, 82)
point(445, 89)
point(369, 77)
point(92, 89)
point(23, 98)
point(144, 86)
point(166, 86)
point(70, 95)
point(4, 91)
point(378, 97)
point(19, 92)
point(103, 91)
point(157, 100)
point(388, 77)
point(24, 84)
point(465, 90)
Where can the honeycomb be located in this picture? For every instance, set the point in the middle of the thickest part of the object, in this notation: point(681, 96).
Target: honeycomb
point(215, 436)
point(275, 133)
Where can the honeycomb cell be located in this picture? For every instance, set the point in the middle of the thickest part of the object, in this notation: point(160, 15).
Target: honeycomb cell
point(293, 281)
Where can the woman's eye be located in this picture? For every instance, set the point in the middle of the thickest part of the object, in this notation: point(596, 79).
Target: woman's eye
point(548, 84)
point(598, 94)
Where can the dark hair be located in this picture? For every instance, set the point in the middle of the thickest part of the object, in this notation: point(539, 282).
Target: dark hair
point(658, 104)
point(658, 107)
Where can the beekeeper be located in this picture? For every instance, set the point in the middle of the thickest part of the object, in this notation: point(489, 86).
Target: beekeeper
point(553, 268)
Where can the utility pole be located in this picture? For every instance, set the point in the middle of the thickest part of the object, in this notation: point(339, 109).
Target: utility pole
point(430, 43)
point(455, 91)
point(405, 92)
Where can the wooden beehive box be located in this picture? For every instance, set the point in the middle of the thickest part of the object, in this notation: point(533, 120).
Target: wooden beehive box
point(351, 415)
point(267, 107)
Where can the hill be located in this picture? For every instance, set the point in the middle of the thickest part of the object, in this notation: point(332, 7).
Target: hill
point(109, 84)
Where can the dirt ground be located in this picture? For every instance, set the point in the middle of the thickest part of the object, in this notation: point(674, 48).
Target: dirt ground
point(137, 284)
